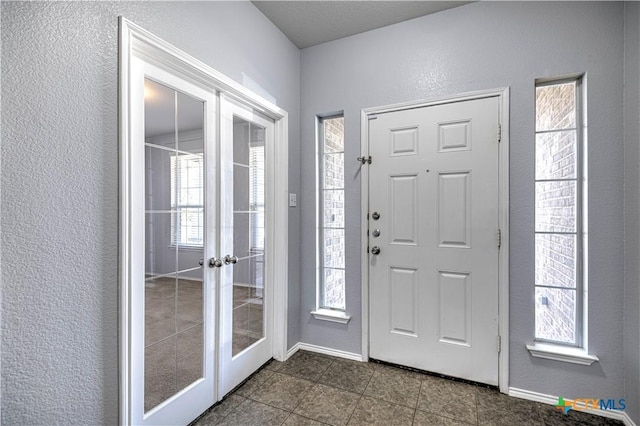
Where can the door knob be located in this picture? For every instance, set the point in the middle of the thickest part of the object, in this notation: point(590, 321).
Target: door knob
point(201, 262)
point(214, 262)
point(230, 259)
point(375, 216)
point(376, 233)
point(375, 250)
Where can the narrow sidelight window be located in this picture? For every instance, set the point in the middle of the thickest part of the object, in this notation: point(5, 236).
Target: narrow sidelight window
point(331, 236)
point(559, 226)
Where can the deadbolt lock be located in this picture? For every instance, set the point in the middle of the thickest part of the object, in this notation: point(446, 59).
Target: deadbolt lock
point(375, 216)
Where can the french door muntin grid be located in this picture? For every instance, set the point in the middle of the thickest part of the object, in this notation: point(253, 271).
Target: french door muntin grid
point(578, 211)
point(331, 260)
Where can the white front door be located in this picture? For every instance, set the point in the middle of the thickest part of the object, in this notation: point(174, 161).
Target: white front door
point(433, 204)
point(247, 155)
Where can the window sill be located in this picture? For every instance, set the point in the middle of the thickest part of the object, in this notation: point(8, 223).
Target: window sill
point(562, 353)
point(331, 315)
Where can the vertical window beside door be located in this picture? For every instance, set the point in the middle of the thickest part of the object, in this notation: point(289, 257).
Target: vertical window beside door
point(559, 226)
point(331, 229)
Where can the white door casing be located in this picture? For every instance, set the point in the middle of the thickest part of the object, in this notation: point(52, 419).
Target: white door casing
point(434, 286)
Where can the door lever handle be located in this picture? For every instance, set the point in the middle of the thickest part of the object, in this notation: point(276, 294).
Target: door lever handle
point(228, 259)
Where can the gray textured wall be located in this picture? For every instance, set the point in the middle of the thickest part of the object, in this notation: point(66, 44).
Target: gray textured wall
point(60, 185)
point(487, 45)
point(632, 208)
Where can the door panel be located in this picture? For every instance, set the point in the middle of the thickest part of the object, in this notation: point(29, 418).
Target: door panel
point(172, 309)
point(403, 301)
point(403, 209)
point(246, 296)
point(434, 283)
point(454, 213)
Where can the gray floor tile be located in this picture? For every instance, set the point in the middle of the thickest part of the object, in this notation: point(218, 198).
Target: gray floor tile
point(296, 420)
point(254, 382)
point(306, 365)
point(448, 398)
point(282, 391)
point(228, 404)
point(395, 386)
point(252, 413)
point(422, 418)
point(495, 408)
point(274, 365)
point(353, 376)
point(551, 416)
point(328, 405)
point(210, 419)
point(371, 411)
point(389, 399)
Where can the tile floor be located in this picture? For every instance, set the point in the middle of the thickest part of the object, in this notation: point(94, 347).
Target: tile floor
point(313, 389)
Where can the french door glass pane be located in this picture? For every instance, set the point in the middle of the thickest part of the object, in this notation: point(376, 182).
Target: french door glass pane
point(174, 242)
point(248, 233)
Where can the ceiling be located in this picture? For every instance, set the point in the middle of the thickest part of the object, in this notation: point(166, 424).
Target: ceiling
point(311, 22)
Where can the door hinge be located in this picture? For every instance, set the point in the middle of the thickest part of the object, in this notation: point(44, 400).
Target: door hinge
point(499, 343)
point(499, 238)
point(364, 160)
point(499, 133)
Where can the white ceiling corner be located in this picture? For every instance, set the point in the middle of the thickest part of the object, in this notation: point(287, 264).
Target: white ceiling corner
point(310, 22)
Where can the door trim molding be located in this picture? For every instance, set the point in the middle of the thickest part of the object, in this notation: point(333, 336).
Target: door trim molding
point(503, 181)
point(135, 42)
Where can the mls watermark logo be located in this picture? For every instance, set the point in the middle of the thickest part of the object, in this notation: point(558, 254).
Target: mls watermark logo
point(586, 404)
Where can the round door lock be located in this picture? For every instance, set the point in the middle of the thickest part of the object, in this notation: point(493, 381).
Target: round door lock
point(228, 259)
point(375, 250)
point(375, 232)
point(214, 262)
point(375, 216)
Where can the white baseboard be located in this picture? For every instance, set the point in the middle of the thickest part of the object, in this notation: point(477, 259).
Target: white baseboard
point(553, 400)
point(323, 350)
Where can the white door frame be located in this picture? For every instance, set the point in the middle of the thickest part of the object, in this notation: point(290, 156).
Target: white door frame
point(135, 42)
point(503, 181)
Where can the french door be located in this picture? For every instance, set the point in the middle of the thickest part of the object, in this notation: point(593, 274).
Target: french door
point(173, 217)
point(201, 212)
point(246, 205)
